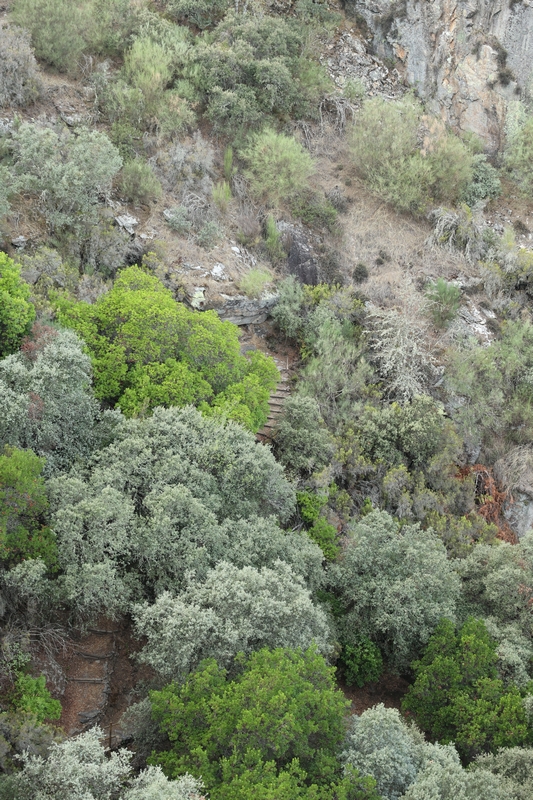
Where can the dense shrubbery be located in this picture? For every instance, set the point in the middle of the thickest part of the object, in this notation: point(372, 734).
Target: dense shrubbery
point(386, 153)
point(62, 32)
point(457, 696)
point(24, 532)
point(19, 78)
point(67, 173)
point(47, 402)
point(173, 496)
point(279, 720)
point(16, 312)
point(148, 350)
point(394, 585)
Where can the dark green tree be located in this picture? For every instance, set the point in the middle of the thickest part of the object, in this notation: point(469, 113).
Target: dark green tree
point(457, 696)
point(276, 726)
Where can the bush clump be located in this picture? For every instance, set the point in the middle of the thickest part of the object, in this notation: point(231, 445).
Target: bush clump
point(19, 78)
point(445, 299)
point(278, 166)
point(137, 182)
point(148, 350)
point(385, 148)
point(68, 173)
point(16, 311)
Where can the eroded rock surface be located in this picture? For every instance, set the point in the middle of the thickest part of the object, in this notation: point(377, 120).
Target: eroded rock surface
point(470, 60)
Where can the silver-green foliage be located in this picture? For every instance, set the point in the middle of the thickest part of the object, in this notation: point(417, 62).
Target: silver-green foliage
point(514, 767)
point(68, 173)
point(395, 583)
point(234, 610)
point(173, 493)
point(19, 78)
point(448, 780)
point(381, 744)
point(302, 441)
point(81, 769)
point(47, 403)
point(494, 581)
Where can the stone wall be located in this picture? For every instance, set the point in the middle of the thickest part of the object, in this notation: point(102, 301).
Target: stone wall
point(468, 59)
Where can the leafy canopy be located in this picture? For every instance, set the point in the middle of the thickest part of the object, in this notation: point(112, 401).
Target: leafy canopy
point(394, 584)
point(148, 350)
point(233, 610)
point(24, 532)
point(16, 311)
point(281, 712)
point(458, 697)
point(174, 493)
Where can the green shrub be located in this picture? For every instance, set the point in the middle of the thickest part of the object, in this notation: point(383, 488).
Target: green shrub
point(147, 68)
point(19, 77)
point(360, 273)
point(303, 445)
point(385, 147)
point(485, 183)
point(457, 696)
point(273, 241)
point(222, 195)
point(278, 166)
point(16, 311)
point(57, 30)
point(362, 661)
point(354, 90)
point(208, 235)
point(254, 66)
point(254, 282)
point(67, 173)
point(228, 163)
point(137, 182)
point(451, 168)
point(24, 533)
point(178, 219)
point(325, 536)
point(518, 157)
point(282, 705)
point(32, 697)
point(200, 13)
point(445, 299)
point(314, 210)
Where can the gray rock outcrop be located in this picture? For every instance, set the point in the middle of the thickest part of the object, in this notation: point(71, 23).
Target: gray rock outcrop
point(468, 59)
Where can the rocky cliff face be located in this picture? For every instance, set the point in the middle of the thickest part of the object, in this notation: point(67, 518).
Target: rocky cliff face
point(468, 59)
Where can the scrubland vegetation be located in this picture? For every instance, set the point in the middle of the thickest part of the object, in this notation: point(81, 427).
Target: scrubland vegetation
point(370, 537)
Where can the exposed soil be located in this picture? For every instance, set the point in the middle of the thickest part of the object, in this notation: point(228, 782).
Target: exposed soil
point(389, 690)
point(99, 678)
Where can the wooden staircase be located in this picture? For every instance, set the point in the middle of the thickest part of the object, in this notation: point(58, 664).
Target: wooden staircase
point(275, 404)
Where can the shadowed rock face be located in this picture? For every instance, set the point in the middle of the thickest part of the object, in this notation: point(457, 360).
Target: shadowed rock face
point(468, 59)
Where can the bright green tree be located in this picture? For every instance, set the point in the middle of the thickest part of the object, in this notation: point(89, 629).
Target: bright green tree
point(16, 311)
point(458, 697)
point(148, 350)
point(32, 697)
point(281, 713)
